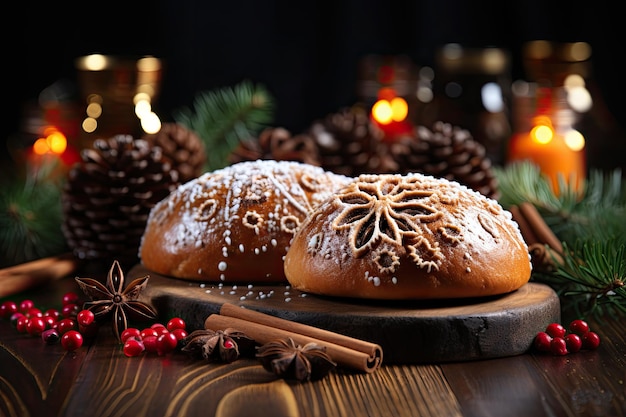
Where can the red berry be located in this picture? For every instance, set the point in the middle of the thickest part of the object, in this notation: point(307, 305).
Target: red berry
point(70, 310)
point(542, 342)
point(148, 332)
point(580, 327)
point(157, 326)
point(35, 326)
point(180, 334)
point(130, 332)
point(591, 340)
point(26, 305)
point(71, 340)
point(133, 347)
point(21, 324)
point(558, 346)
point(176, 323)
point(85, 317)
point(52, 312)
point(50, 321)
point(70, 298)
point(50, 336)
point(150, 343)
point(573, 342)
point(34, 312)
point(166, 343)
point(64, 325)
point(7, 309)
point(15, 317)
point(555, 330)
point(161, 330)
point(229, 344)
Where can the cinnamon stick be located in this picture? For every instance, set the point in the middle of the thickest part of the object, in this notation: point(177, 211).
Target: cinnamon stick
point(346, 351)
point(525, 228)
point(539, 226)
point(18, 278)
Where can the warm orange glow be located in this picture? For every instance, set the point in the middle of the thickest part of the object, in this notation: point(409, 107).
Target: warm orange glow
point(382, 112)
point(54, 142)
point(387, 111)
point(57, 142)
point(40, 147)
point(560, 157)
point(542, 134)
point(399, 109)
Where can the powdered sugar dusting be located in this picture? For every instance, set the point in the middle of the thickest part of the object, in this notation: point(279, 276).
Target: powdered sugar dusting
point(391, 219)
point(221, 208)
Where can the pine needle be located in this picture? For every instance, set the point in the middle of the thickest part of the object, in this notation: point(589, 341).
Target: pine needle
point(591, 280)
point(30, 217)
point(225, 117)
point(590, 222)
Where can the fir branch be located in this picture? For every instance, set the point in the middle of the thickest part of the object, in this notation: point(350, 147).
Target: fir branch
point(591, 278)
point(30, 216)
point(595, 210)
point(224, 117)
point(590, 222)
point(523, 182)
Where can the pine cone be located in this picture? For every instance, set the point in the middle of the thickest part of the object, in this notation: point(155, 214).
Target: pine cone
point(183, 147)
point(349, 144)
point(108, 196)
point(276, 143)
point(448, 152)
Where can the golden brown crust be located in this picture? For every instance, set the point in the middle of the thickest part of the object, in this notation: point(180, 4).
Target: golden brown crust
point(408, 237)
point(234, 224)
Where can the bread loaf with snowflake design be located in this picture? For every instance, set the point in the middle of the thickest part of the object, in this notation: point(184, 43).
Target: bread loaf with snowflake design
point(234, 224)
point(410, 236)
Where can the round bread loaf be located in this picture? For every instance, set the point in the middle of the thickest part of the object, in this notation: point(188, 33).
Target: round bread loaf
point(234, 224)
point(408, 236)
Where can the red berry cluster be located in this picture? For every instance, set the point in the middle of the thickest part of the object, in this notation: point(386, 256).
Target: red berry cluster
point(70, 325)
point(158, 338)
point(558, 341)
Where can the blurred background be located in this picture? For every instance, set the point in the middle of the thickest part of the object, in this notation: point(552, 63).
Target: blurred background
point(318, 57)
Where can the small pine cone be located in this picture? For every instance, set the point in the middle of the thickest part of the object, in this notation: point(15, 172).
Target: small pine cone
point(276, 143)
point(349, 144)
point(108, 196)
point(448, 152)
point(183, 147)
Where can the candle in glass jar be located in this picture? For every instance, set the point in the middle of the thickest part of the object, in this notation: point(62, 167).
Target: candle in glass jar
point(557, 154)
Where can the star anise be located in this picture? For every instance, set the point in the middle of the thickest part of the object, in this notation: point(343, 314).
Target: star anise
point(289, 360)
point(113, 299)
point(225, 345)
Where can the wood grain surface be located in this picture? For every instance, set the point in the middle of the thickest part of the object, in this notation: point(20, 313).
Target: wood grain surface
point(408, 331)
point(98, 380)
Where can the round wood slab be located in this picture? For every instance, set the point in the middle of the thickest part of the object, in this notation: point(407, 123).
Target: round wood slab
point(408, 331)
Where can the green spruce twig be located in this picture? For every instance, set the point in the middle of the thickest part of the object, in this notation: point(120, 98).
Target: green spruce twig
point(224, 117)
point(31, 215)
point(590, 221)
point(591, 278)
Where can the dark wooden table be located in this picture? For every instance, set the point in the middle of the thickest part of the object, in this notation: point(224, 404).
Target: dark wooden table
point(99, 380)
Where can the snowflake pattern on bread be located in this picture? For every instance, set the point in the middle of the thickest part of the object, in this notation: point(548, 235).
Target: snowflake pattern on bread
point(412, 231)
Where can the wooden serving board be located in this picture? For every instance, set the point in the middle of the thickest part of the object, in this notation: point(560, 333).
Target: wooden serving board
point(409, 332)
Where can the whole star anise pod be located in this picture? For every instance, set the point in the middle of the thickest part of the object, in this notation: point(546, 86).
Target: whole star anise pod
point(220, 345)
point(113, 299)
point(289, 360)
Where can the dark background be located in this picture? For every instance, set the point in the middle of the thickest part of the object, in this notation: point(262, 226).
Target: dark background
point(305, 53)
